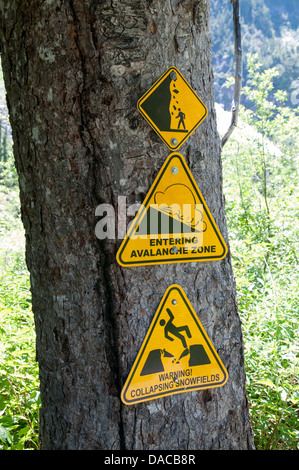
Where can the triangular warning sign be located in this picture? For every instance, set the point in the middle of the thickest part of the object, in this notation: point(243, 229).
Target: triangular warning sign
point(174, 224)
point(176, 355)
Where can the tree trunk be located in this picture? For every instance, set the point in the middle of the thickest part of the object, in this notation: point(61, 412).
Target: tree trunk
point(74, 72)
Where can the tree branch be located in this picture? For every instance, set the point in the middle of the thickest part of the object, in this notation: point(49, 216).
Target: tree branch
point(238, 71)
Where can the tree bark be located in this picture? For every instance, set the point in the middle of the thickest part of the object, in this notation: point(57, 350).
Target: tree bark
point(74, 72)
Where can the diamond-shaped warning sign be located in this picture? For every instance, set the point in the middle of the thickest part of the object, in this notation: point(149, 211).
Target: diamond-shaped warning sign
point(172, 108)
point(174, 224)
point(176, 355)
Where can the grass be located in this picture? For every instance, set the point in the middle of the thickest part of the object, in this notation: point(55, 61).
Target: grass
point(19, 384)
point(268, 306)
point(19, 388)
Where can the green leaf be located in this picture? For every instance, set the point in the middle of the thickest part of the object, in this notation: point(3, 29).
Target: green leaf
point(5, 435)
point(268, 383)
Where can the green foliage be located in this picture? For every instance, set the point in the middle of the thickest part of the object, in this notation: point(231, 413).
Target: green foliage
point(19, 386)
point(8, 175)
point(4, 142)
point(262, 213)
point(269, 27)
point(10, 217)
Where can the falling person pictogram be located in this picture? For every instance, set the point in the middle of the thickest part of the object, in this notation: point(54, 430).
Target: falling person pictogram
point(175, 330)
point(163, 365)
point(196, 352)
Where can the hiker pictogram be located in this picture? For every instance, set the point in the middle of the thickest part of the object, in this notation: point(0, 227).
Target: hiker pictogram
point(172, 108)
point(174, 224)
point(181, 116)
point(176, 355)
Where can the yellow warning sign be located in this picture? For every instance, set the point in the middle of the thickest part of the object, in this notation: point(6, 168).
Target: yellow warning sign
point(172, 108)
point(176, 355)
point(174, 224)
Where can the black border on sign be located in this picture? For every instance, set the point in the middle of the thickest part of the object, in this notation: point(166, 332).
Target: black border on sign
point(139, 107)
point(181, 389)
point(143, 211)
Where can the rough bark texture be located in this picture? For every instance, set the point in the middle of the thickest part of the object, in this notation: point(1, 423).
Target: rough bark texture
point(74, 71)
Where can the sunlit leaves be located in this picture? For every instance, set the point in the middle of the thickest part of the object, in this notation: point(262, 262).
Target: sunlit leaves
point(19, 385)
point(260, 185)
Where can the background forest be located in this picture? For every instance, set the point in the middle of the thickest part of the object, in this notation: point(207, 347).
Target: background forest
point(269, 28)
point(260, 170)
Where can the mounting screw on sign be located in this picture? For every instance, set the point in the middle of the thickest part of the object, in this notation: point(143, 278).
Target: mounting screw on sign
point(173, 76)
